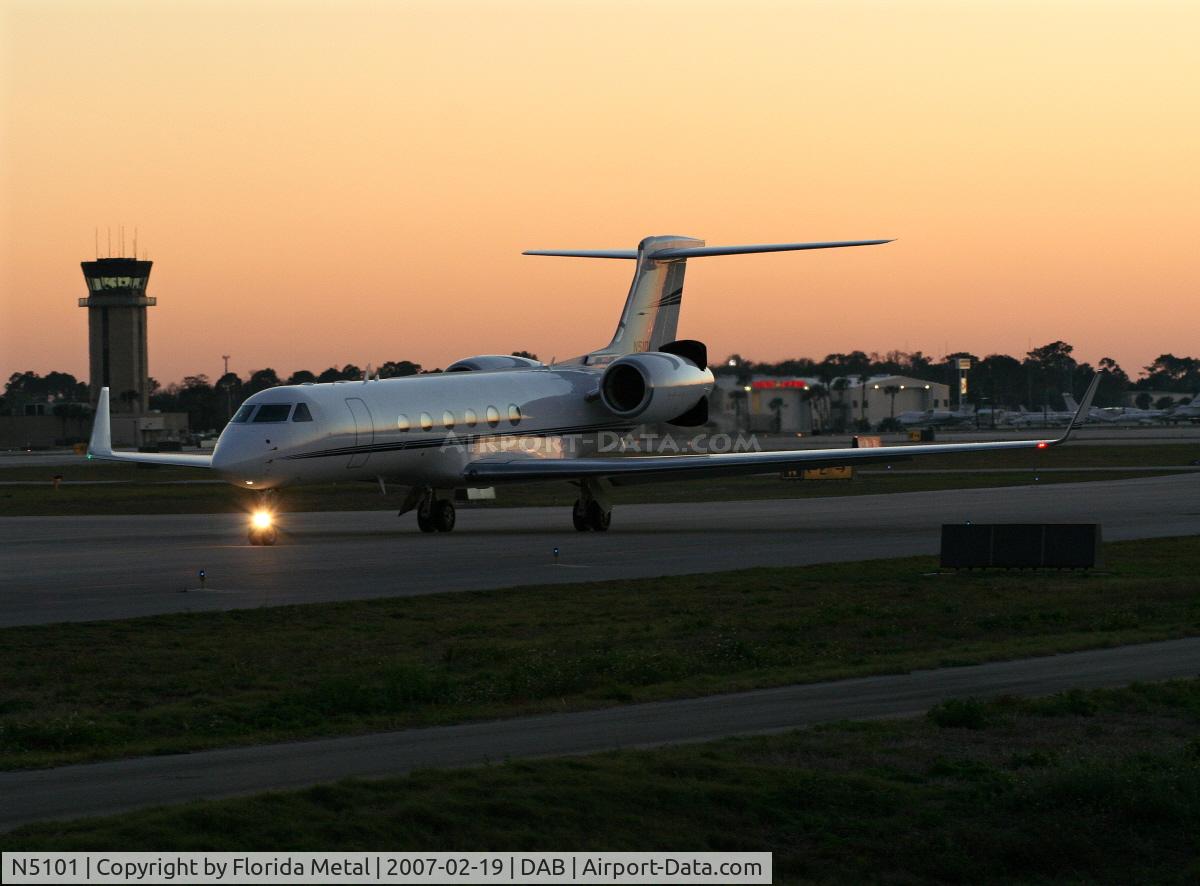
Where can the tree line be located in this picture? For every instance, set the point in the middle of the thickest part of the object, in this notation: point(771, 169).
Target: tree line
point(1038, 379)
point(999, 380)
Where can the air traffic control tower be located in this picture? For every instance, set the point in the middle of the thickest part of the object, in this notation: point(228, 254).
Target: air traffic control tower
point(116, 304)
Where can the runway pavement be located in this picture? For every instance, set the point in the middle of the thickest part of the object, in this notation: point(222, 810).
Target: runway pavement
point(102, 788)
point(87, 568)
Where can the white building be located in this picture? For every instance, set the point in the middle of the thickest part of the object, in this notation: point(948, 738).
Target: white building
point(887, 396)
point(796, 405)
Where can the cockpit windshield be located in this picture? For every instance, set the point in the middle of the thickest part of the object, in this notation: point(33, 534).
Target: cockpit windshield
point(270, 412)
point(243, 414)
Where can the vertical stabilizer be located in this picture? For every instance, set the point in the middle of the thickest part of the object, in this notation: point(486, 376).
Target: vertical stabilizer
point(651, 313)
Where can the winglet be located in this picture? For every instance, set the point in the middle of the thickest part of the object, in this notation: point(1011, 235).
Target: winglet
point(1081, 414)
point(101, 443)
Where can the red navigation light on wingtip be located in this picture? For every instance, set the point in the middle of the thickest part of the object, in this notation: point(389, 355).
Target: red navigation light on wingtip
point(1042, 445)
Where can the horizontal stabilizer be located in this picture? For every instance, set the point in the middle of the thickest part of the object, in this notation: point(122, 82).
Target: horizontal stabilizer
point(702, 251)
point(585, 253)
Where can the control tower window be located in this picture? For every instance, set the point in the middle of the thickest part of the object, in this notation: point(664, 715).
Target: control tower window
point(273, 412)
point(301, 413)
point(243, 414)
point(100, 283)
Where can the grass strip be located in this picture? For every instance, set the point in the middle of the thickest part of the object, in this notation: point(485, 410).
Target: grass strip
point(1096, 787)
point(172, 683)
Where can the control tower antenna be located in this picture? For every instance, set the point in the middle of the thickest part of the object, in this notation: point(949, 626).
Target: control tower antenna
point(225, 357)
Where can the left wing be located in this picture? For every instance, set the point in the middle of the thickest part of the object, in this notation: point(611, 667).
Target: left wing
point(100, 445)
point(632, 469)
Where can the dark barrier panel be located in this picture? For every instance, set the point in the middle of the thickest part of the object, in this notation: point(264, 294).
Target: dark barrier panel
point(1072, 545)
point(1020, 545)
point(1017, 545)
point(966, 545)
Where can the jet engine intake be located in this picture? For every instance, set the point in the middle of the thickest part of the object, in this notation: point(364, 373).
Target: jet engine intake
point(654, 386)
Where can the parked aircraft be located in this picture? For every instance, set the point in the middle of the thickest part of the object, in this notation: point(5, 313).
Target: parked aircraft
point(494, 419)
point(1024, 418)
point(936, 418)
point(1187, 412)
point(1120, 415)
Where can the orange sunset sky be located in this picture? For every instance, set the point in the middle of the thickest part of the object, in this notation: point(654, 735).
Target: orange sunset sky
point(322, 183)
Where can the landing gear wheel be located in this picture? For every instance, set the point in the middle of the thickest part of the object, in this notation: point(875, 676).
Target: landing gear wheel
point(266, 536)
point(598, 519)
point(579, 516)
point(425, 515)
point(443, 515)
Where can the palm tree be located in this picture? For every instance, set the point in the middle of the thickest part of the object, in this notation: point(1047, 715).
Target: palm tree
point(892, 391)
point(817, 398)
point(776, 406)
point(738, 396)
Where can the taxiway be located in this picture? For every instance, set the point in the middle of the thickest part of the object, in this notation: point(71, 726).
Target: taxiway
point(88, 568)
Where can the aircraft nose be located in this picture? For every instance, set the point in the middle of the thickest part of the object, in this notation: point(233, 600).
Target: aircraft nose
point(235, 463)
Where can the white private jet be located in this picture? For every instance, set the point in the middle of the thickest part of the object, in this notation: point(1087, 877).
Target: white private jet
point(491, 419)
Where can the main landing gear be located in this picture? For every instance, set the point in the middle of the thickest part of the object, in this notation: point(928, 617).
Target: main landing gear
point(593, 510)
point(435, 514)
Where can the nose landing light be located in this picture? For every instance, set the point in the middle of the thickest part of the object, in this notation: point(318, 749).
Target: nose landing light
point(262, 528)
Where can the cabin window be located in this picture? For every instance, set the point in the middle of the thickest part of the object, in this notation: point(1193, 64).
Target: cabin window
point(471, 418)
point(493, 416)
point(272, 412)
point(402, 422)
point(448, 420)
point(426, 421)
point(514, 414)
point(243, 414)
point(301, 413)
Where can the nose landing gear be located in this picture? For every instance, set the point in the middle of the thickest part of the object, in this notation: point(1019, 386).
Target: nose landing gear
point(262, 521)
point(263, 536)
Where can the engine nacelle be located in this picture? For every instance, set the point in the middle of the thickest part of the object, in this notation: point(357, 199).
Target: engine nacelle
point(493, 361)
point(654, 386)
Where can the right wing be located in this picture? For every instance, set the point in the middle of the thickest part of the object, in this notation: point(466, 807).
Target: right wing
point(100, 446)
point(634, 469)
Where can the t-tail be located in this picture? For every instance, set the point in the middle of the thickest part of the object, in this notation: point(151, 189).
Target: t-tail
point(651, 314)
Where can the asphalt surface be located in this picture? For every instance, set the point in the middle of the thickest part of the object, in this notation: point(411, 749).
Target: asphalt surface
point(90, 568)
point(103, 788)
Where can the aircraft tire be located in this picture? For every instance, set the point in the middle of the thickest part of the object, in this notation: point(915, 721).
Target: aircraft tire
point(443, 515)
point(255, 538)
point(579, 516)
point(268, 536)
point(598, 519)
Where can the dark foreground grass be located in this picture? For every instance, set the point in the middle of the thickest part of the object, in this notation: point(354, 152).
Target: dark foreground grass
point(172, 683)
point(148, 490)
point(1085, 787)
